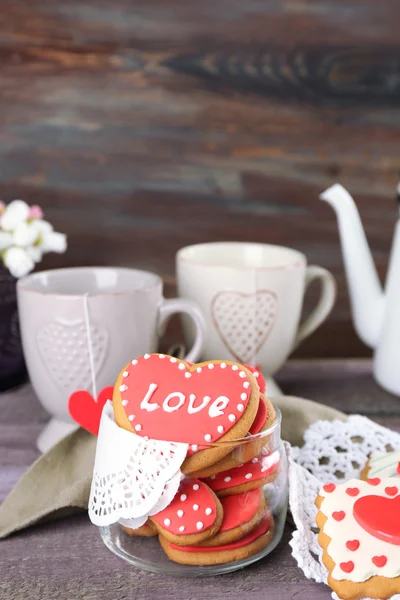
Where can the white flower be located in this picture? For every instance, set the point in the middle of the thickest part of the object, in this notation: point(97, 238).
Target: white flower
point(15, 213)
point(42, 226)
point(35, 253)
point(54, 242)
point(6, 240)
point(25, 234)
point(18, 262)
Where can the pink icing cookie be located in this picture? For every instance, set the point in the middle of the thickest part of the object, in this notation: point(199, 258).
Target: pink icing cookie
point(195, 514)
point(252, 474)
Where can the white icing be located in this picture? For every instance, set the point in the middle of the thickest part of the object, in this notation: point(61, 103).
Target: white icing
point(348, 529)
point(183, 497)
point(232, 418)
point(131, 417)
point(145, 404)
point(188, 375)
point(124, 402)
point(195, 409)
point(196, 507)
point(217, 407)
point(384, 464)
point(196, 487)
point(199, 525)
point(210, 366)
point(169, 408)
point(123, 388)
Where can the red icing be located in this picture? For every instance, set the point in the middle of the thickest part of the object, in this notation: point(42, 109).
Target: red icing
point(398, 468)
point(391, 490)
point(379, 516)
point(352, 491)
point(261, 417)
point(329, 488)
point(374, 481)
point(353, 545)
point(200, 497)
point(259, 377)
point(86, 411)
point(347, 567)
point(150, 418)
point(262, 467)
point(339, 515)
point(240, 508)
point(379, 561)
point(257, 532)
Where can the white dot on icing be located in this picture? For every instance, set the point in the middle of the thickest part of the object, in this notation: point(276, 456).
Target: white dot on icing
point(182, 528)
point(181, 366)
point(240, 407)
point(208, 437)
point(131, 417)
point(125, 374)
point(232, 418)
point(172, 359)
point(235, 367)
point(211, 366)
point(123, 388)
point(246, 384)
point(180, 513)
point(256, 374)
point(187, 374)
point(124, 402)
point(242, 374)
point(254, 460)
point(227, 479)
point(146, 356)
point(243, 396)
point(161, 356)
point(248, 476)
point(134, 362)
point(212, 477)
point(199, 369)
point(196, 487)
point(183, 497)
point(208, 511)
point(138, 427)
point(199, 525)
point(167, 522)
point(220, 429)
point(196, 507)
point(223, 365)
point(194, 447)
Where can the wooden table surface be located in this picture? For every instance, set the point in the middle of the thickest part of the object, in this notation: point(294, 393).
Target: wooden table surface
point(66, 560)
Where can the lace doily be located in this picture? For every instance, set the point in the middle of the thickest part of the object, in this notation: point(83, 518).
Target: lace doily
point(133, 478)
point(333, 451)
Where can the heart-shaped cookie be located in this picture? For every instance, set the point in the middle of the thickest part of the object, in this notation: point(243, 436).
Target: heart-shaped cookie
point(86, 410)
point(244, 321)
point(163, 398)
point(380, 517)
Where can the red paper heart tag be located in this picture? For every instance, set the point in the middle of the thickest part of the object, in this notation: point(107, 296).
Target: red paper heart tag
point(166, 399)
point(379, 516)
point(86, 411)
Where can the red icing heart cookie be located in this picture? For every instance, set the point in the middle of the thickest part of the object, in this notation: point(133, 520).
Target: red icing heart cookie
point(166, 399)
point(251, 475)
point(194, 515)
point(380, 517)
point(86, 411)
point(251, 544)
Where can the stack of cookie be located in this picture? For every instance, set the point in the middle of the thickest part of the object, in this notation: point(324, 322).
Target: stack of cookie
point(359, 525)
point(219, 513)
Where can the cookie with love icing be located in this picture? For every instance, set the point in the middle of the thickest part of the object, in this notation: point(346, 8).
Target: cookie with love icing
point(242, 513)
point(260, 470)
point(359, 524)
point(382, 464)
point(146, 530)
point(194, 515)
point(163, 398)
point(245, 451)
point(252, 543)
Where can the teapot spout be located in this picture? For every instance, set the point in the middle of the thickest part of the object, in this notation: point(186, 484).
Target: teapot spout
point(366, 295)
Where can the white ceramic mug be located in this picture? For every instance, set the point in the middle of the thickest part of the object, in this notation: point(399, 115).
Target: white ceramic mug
point(122, 311)
point(251, 296)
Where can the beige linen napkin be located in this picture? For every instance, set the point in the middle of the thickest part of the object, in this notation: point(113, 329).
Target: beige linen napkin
point(58, 483)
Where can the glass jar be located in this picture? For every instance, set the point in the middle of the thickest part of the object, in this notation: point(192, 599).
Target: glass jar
point(265, 456)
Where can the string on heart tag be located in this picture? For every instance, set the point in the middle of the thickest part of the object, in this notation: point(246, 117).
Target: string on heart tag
point(90, 344)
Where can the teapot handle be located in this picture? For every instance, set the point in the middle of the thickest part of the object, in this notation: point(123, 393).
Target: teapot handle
point(325, 303)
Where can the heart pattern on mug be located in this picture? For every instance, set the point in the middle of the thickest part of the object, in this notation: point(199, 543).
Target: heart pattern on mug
point(167, 399)
point(86, 410)
point(244, 321)
point(64, 350)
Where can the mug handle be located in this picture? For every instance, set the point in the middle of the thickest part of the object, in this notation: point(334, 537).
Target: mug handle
point(325, 303)
point(179, 305)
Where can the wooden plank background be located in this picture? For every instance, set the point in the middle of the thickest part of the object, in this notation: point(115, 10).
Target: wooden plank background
point(144, 126)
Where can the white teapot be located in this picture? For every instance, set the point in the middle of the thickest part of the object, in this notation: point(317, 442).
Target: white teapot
point(376, 312)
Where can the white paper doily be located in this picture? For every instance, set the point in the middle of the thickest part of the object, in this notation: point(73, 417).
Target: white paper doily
point(334, 451)
point(133, 478)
